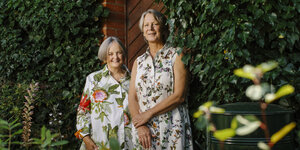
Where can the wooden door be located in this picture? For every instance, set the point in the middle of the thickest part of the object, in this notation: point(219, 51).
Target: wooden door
point(135, 43)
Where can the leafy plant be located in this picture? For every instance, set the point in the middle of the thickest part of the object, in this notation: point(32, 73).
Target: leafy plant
point(55, 43)
point(7, 133)
point(12, 99)
point(47, 140)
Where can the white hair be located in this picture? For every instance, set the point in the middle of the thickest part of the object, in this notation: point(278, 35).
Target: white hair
point(103, 49)
point(161, 19)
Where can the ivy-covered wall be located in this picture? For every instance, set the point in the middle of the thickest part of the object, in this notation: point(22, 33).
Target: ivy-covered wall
point(222, 35)
point(54, 43)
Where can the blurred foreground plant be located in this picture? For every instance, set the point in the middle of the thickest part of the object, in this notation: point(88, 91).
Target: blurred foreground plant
point(243, 125)
point(6, 133)
point(47, 140)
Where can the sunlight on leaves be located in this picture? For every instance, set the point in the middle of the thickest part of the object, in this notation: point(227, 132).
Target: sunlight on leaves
point(251, 72)
point(216, 110)
point(242, 120)
point(282, 132)
point(198, 114)
point(208, 107)
point(283, 91)
point(234, 123)
point(241, 73)
point(255, 92)
point(207, 104)
point(224, 134)
point(267, 66)
point(247, 129)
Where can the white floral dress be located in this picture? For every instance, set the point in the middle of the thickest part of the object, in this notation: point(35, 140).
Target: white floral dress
point(155, 82)
point(103, 110)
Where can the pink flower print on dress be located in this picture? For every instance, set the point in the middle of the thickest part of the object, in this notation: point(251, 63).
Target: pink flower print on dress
point(99, 96)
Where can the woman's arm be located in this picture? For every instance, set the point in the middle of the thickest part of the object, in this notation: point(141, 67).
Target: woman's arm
point(171, 102)
point(133, 105)
point(84, 117)
point(144, 133)
point(89, 143)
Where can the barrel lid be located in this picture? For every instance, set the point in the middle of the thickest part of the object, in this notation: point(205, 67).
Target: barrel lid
point(252, 108)
point(240, 139)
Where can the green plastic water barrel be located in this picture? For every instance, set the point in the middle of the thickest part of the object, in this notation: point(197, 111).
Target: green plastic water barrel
point(277, 117)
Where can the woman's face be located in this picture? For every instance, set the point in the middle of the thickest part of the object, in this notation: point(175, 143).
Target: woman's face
point(115, 58)
point(151, 29)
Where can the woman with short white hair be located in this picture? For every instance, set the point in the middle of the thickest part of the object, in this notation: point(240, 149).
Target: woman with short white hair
point(103, 110)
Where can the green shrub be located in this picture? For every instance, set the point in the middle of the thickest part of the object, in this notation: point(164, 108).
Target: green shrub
point(221, 35)
point(54, 43)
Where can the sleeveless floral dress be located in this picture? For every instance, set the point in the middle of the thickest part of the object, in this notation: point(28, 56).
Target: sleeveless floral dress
point(154, 82)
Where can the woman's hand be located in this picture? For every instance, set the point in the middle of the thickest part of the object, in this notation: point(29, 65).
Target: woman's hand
point(142, 118)
point(144, 136)
point(89, 143)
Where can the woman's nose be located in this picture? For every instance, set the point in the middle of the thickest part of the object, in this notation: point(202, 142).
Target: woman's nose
point(152, 26)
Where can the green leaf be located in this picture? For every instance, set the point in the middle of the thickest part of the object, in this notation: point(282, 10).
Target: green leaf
point(16, 142)
point(99, 10)
point(3, 122)
point(63, 142)
point(17, 132)
point(15, 125)
point(234, 123)
point(54, 135)
point(48, 139)
point(224, 134)
point(66, 94)
point(37, 141)
point(12, 123)
point(43, 133)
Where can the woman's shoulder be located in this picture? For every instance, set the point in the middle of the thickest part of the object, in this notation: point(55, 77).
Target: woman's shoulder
point(102, 72)
point(143, 56)
point(172, 48)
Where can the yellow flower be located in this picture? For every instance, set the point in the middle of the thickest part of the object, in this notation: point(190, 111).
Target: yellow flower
point(281, 36)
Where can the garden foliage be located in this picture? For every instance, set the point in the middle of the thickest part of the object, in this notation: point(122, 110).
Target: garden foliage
point(221, 35)
point(54, 43)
